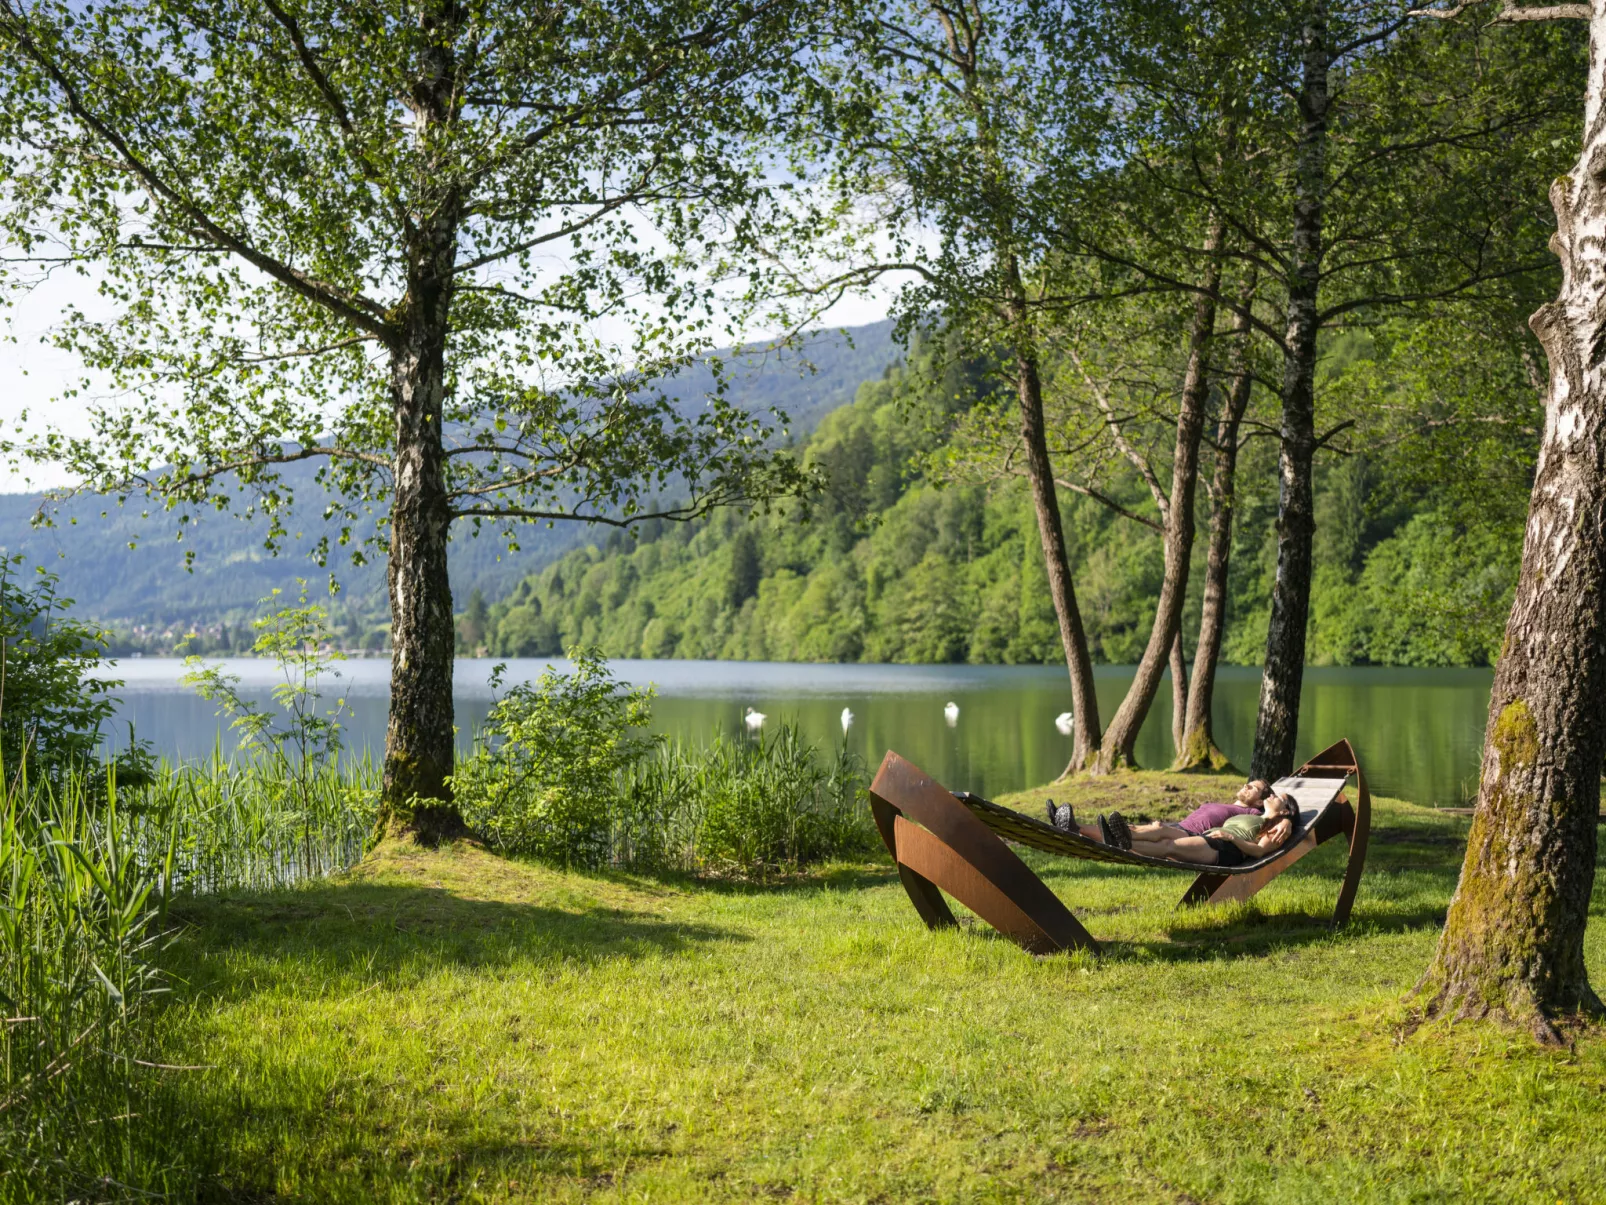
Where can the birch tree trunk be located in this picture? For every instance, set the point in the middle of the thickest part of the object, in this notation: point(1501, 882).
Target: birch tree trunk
point(420, 745)
point(1197, 750)
point(1513, 943)
point(1277, 724)
point(1121, 736)
point(1045, 501)
point(419, 738)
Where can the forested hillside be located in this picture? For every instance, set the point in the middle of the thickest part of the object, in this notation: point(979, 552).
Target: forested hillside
point(900, 560)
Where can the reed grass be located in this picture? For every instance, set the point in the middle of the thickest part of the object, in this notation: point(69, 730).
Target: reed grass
point(79, 927)
point(742, 805)
point(87, 872)
point(258, 825)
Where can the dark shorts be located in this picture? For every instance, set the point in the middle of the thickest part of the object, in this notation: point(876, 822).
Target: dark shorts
point(1227, 851)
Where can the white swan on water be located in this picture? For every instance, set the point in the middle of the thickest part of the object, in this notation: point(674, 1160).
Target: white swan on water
point(951, 713)
point(847, 720)
point(1063, 722)
point(755, 719)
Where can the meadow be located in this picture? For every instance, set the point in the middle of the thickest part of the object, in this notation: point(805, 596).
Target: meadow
point(455, 1025)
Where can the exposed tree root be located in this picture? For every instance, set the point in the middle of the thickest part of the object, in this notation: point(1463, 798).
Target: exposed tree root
point(426, 826)
point(1459, 1001)
point(1212, 761)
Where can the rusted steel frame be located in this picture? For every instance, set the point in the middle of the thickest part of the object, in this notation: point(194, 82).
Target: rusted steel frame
point(1339, 817)
point(923, 893)
point(953, 851)
point(1211, 888)
point(1360, 834)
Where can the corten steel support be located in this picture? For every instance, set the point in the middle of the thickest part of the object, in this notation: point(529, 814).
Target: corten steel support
point(1337, 760)
point(940, 845)
point(987, 877)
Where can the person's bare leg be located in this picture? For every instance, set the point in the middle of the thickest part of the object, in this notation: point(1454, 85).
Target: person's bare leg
point(1158, 830)
point(1183, 849)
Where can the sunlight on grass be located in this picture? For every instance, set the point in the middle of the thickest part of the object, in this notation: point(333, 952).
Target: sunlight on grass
point(452, 1025)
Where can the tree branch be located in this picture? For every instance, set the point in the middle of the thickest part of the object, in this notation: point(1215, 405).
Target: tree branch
point(1510, 11)
point(1106, 500)
point(1139, 462)
point(360, 311)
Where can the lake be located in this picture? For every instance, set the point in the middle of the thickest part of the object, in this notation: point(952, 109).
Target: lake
point(1418, 732)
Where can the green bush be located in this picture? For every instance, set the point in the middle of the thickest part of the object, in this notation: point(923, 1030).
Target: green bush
point(562, 771)
point(545, 774)
point(52, 703)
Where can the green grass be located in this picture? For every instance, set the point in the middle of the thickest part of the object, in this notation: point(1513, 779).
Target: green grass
point(455, 1026)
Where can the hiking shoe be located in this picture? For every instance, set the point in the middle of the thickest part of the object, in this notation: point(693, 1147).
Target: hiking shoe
point(1121, 830)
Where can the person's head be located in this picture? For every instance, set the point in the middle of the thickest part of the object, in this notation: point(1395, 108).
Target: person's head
point(1253, 794)
point(1282, 816)
point(1280, 804)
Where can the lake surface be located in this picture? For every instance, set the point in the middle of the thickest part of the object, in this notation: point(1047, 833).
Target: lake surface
point(1418, 732)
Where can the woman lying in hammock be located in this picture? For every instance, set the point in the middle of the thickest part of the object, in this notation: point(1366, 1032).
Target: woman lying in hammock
point(1241, 839)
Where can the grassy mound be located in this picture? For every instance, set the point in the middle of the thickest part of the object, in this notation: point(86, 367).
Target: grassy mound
point(450, 1025)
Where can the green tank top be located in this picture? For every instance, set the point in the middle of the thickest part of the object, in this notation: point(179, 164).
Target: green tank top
point(1246, 827)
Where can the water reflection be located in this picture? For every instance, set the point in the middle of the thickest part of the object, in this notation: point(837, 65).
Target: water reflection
point(1418, 731)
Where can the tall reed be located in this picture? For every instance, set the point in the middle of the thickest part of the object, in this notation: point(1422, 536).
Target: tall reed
point(257, 825)
point(742, 805)
point(79, 930)
point(86, 874)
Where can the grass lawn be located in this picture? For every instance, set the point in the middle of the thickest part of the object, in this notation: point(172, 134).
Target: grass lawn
point(453, 1026)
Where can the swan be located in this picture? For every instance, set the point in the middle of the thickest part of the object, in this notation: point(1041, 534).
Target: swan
point(847, 719)
point(1063, 722)
point(755, 719)
point(951, 713)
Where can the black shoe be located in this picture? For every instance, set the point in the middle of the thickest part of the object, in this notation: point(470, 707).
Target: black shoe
point(1067, 818)
point(1121, 830)
point(1053, 814)
point(1107, 833)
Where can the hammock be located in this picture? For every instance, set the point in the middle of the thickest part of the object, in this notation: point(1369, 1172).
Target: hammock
point(1314, 795)
point(955, 843)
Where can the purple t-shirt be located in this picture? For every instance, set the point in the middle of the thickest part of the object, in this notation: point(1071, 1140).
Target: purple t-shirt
point(1213, 815)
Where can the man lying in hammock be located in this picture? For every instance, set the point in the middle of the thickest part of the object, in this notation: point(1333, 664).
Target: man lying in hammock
point(1249, 801)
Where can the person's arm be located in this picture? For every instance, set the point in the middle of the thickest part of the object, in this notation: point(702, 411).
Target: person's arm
point(1255, 849)
point(1261, 845)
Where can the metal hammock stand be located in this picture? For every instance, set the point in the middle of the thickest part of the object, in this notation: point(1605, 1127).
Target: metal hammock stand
point(955, 843)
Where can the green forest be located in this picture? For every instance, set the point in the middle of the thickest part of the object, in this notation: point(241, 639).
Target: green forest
point(900, 560)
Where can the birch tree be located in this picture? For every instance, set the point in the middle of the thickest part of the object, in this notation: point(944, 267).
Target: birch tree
point(1513, 942)
point(1382, 176)
point(380, 237)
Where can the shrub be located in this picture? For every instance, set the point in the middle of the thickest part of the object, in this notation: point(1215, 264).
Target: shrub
point(302, 739)
point(547, 768)
point(52, 704)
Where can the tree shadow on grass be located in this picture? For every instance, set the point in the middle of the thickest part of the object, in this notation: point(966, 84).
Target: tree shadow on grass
point(836, 877)
point(238, 944)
